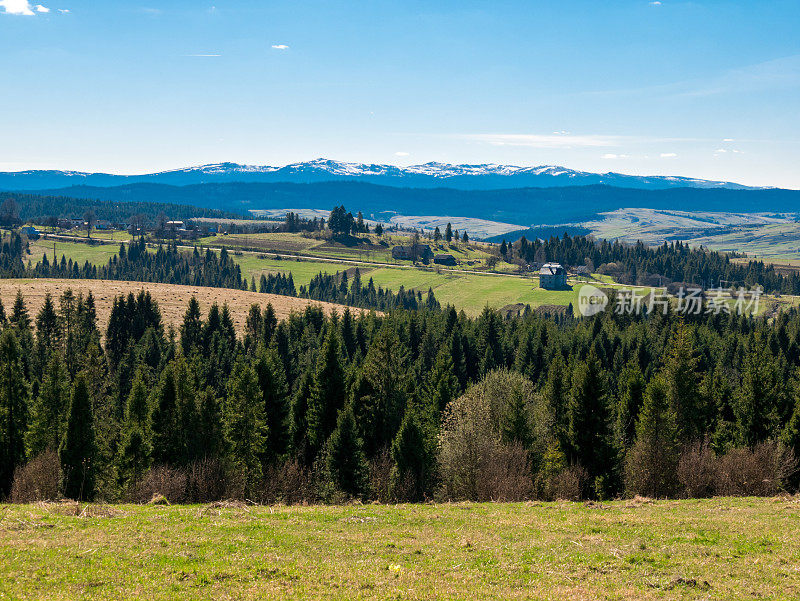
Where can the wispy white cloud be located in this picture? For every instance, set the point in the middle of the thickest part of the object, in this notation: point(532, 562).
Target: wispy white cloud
point(63, 10)
point(402, 154)
point(41, 9)
point(668, 155)
point(280, 47)
point(721, 151)
point(655, 3)
point(611, 156)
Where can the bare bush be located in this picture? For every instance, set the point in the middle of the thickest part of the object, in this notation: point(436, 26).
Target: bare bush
point(506, 474)
point(296, 483)
point(288, 483)
point(38, 480)
point(756, 472)
point(760, 471)
point(206, 480)
point(697, 470)
point(568, 484)
point(162, 480)
point(380, 469)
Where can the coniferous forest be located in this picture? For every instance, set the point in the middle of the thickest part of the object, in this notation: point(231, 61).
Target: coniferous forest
point(415, 403)
point(208, 268)
point(409, 405)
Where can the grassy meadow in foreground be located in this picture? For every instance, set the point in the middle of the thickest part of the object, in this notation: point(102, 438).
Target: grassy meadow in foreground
point(721, 548)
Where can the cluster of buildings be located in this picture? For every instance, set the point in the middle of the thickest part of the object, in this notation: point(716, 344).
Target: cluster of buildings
point(422, 252)
point(552, 276)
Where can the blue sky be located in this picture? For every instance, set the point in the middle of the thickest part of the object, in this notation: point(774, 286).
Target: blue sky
point(706, 89)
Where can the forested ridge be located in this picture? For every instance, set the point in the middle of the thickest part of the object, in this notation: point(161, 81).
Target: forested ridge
point(39, 208)
point(204, 267)
point(644, 265)
point(405, 406)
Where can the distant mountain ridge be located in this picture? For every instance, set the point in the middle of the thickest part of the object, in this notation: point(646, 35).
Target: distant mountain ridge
point(429, 175)
point(524, 206)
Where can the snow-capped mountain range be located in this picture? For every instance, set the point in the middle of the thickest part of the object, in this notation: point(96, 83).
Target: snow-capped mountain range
point(428, 175)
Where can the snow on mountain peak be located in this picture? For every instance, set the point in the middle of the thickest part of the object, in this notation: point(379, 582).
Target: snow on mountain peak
point(481, 176)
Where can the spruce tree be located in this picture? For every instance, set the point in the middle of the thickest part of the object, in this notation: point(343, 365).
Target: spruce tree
point(187, 411)
point(49, 409)
point(135, 449)
point(683, 384)
point(298, 418)
point(192, 328)
point(381, 396)
point(274, 395)
point(327, 395)
point(133, 462)
point(78, 449)
point(270, 324)
point(653, 460)
point(587, 426)
point(166, 445)
point(48, 333)
point(244, 424)
point(790, 437)
point(631, 393)
point(19, 313)
point(21, 325)
point(555, 395)
point(13, 409)
point(515, 421)
point(346, 463)
point(412, 461)
point(756, 401)
point(441, 384)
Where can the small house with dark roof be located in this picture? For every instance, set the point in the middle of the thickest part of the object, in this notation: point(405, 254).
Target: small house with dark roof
point(412, 252)
point(552, 276)
point(445, 259)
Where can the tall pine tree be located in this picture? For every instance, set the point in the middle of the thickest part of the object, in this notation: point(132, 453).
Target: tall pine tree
point(327, 394)
point(13, 409)
point(78, 449)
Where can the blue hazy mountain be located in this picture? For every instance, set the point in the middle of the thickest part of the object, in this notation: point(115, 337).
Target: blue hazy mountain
point(523, 206)
point(428, 175)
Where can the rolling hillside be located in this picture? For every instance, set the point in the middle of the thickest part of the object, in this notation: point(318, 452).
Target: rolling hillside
point(172, 299)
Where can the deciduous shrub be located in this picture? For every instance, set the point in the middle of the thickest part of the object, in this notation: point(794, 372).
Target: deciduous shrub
point(160, 480)
point(753, 472)
point(474, 462)
point(38, 480)
point(697, 469)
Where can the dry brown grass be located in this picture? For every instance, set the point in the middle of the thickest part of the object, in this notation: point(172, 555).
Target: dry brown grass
point(172, 298)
